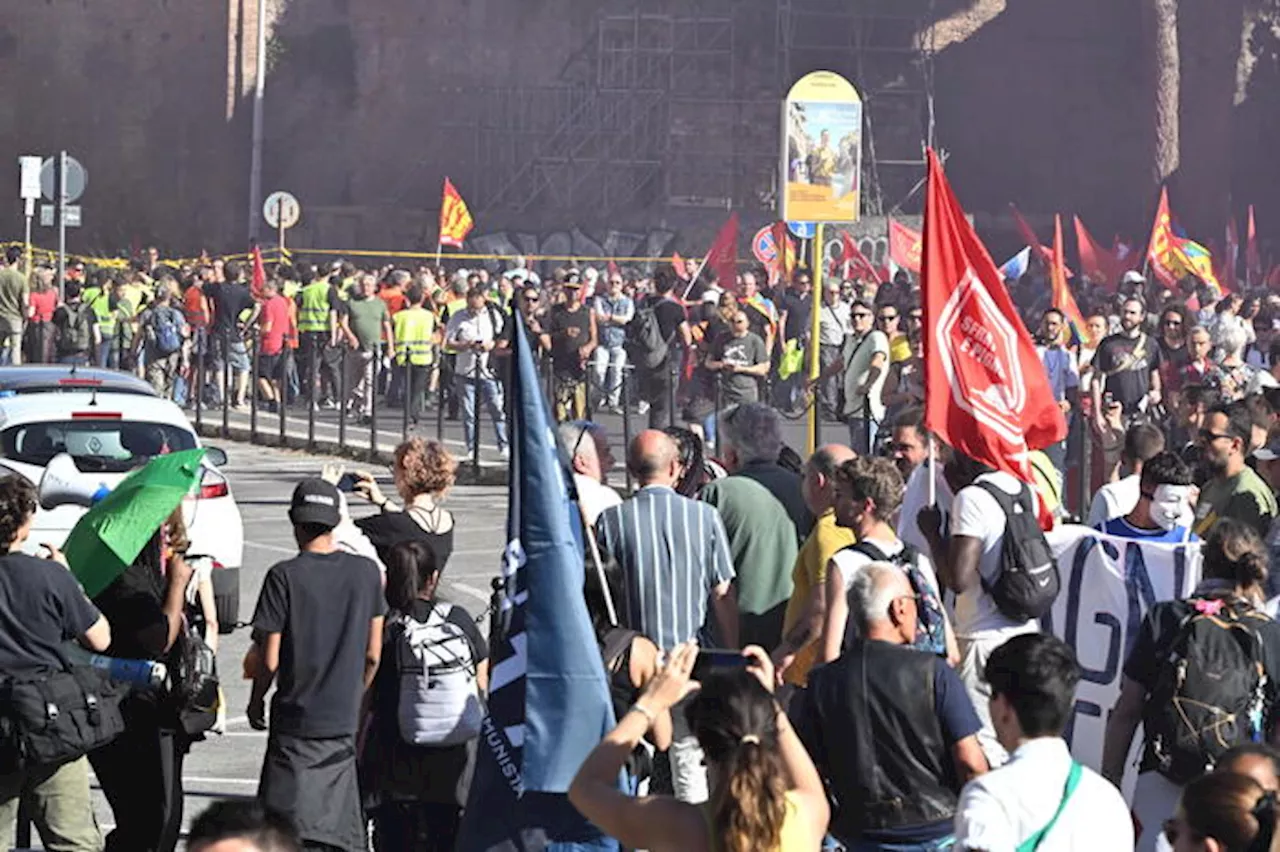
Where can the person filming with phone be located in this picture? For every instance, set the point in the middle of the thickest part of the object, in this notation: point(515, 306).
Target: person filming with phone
point(766, 795)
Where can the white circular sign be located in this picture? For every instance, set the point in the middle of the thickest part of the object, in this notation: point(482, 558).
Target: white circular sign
point(77, 179)
point(281, 210)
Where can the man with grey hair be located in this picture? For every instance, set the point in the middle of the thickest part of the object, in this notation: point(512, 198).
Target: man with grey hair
point(591, 459)
point(764, 513)
point(891, 729)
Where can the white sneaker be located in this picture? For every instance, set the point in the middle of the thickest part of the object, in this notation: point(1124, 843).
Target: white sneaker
point(505, 452)
point(642, 407)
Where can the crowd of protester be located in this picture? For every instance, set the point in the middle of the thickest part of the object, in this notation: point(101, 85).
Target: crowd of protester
point(870, 686)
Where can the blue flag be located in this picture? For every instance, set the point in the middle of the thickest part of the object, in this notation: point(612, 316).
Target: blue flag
point(549, 702)
point(1016, 266)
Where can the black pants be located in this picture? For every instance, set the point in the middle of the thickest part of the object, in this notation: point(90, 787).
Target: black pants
point(421, 826)
point(655, 387)
point(141, 775)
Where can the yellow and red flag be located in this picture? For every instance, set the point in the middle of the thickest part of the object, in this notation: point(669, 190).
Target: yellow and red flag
point(259, 279)
point(904, 246)
point(1252, 259)
point(1062, 298)
point(455, 218)
point(1161, 251)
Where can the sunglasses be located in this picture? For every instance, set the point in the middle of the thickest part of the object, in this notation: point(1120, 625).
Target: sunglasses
point(861, 315)
point(887, 317)
point(1209, 437)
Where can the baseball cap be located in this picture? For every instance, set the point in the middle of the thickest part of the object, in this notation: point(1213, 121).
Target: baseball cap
point(316, 501)
point(1133, 277)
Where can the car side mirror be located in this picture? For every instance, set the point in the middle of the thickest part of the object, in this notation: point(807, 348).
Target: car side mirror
point(216, 456)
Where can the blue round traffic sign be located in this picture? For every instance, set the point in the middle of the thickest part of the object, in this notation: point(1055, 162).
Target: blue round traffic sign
point(802, 230)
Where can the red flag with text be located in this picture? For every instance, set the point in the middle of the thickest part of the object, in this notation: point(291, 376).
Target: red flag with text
point(904, 246)
point(455, 218)
point(987, 394)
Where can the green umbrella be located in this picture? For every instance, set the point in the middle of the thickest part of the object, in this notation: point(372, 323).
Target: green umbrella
point(113, 532)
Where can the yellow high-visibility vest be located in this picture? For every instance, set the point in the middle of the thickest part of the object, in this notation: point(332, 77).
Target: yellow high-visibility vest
point(413, 329)
point(313, 315)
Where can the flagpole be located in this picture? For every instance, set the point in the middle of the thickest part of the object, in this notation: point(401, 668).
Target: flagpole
point(693, 279)
point(439, 249)
point(815, 419)
point(594, 547)
point(933, 471)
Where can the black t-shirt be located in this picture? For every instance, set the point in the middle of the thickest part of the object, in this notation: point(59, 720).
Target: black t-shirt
point(1127, 362)
point(799, 315)
point(229, 301)
point(570, 331)
point(134, 607)
point(387, 529)
point(41, 608)
point(669, 315)
point(322, 605)
point(1160, 628)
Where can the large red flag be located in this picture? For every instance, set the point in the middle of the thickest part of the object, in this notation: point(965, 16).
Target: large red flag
point(904, 246)
point(1029, 235)
point(723, 254)
point(1103, 266)
point(1252, 259)
point(259, 279)
point(1160, 250)
point(987, 394)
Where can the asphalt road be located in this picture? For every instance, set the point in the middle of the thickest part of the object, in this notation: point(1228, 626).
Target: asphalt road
point(262, 480)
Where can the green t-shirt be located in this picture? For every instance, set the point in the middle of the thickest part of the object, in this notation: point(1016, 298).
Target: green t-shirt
point(367, 317)
point(13, 288)
point(766, 521)
point(1244, 497)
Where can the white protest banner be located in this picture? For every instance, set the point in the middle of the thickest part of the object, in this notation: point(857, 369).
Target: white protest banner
point(1108, 584)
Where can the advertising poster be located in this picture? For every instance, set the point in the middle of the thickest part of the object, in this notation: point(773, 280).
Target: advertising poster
point(822, 150)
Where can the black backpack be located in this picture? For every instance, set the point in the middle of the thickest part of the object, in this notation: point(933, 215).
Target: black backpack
point(1209, 691)
point(1029, 581)
point(644, 344)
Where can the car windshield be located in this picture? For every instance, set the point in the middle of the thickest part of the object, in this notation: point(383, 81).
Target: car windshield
point(98, 446)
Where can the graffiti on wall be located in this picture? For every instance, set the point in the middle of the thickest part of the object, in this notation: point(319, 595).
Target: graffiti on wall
point(644, 248)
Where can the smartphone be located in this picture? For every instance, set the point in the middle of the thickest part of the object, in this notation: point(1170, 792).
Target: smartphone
point(348, 482)
point(1108, 400)
point(713, 660)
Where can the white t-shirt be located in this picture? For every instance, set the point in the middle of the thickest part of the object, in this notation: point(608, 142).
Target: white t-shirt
point(594, 497)
point(1115, 500)
point(849, 562)
point(915, 499)
point(976, 514)
point(1002, 809)
point(857, 355)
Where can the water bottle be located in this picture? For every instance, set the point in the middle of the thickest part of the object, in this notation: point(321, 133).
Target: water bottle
point(138, 672)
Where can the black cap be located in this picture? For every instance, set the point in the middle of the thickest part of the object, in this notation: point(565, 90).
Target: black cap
point(315, 502)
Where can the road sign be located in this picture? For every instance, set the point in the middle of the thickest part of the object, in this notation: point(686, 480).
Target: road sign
point(29, 185)
point(802, 230)
point(70, 215)
point(281, 210)
point(77, 179)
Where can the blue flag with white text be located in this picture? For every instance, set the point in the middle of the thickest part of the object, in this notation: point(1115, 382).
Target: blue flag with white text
point(549, 702)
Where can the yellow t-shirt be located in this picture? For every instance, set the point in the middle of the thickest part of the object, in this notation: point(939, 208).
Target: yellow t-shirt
point(899, 349)
point(810, 572)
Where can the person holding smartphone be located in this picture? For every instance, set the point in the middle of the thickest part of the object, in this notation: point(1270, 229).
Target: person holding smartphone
point(766, 796)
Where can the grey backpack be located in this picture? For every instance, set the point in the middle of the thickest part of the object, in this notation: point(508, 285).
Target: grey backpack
point(439, 697)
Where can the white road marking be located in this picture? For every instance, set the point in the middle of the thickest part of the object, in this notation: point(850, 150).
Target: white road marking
point(471, 590)
point(274, 548)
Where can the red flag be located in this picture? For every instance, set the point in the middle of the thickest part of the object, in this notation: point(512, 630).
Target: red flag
point(1063, 300)
point(677, 263)
point(1227, 269)
point(1273, 279)
point(612, 269)
point(1103, 266)
point(723, 254)
point(1160, 248)
point(904, 246)
point(987, 394)
point(259, 274)
point(455, 218)
point(1252, 259)
point(855, 262)
point(1029, 235)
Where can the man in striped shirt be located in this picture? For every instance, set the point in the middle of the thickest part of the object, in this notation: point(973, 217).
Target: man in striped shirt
point(675, 560)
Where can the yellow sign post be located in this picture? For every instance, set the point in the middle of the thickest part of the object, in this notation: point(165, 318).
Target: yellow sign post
point(815, 322)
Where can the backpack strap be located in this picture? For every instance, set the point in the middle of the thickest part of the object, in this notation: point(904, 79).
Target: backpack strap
point(868, 550)
point(614, 642)
point(1006, 500)
point(1073, 780)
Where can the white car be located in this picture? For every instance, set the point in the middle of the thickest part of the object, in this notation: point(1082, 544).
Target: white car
point(108, 435)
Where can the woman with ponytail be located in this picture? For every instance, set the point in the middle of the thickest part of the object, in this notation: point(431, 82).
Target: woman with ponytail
point(1224, 812)
point(1173, 679)
point(766, 795)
